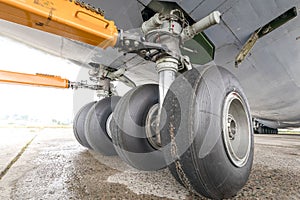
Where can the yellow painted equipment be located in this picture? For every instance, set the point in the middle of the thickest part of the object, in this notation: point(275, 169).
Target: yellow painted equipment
point(62, 17)
point(66, 18)
point(33, 79)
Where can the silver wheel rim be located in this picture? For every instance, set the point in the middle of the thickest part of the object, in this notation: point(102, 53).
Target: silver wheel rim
point(236, 129)
point(152, 133)
point(108, 121)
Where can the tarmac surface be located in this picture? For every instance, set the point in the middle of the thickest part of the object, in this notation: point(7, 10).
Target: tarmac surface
point(50, 164)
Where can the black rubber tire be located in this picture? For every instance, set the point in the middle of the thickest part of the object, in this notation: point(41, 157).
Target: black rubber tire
point(128, 126)
point(95, 126)
point(79, 125)
point(193, 110)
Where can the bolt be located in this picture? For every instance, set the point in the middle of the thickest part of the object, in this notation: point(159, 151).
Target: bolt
point(143, 52)
point(136, 44)
point(231, 128)
point(127, 42)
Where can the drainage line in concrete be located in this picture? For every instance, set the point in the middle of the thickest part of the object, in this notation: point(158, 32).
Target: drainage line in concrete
point(4, 172)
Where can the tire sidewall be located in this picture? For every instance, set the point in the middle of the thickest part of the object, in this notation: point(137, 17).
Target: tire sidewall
point(202, 152)
point(79, 124)
point(95, 126)
point(215, 166)
point(128, 126)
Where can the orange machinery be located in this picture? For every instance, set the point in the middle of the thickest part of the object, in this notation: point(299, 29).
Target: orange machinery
point(34, 79)
point(66, 18)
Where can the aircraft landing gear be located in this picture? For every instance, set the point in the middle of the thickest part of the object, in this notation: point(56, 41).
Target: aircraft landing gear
point(259, 128)
point(208, 127)
point(198, 124)
point(131, 132)
point(79, 125)
point(92, 125)
point(97, 126)
point(203, 126)
point(266, 130)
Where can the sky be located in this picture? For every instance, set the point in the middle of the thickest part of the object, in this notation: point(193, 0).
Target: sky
point(40, 102)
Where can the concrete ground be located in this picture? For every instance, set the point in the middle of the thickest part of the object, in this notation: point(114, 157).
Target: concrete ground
point(50, 164)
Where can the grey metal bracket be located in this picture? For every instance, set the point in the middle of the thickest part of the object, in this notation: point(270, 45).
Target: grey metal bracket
point(134, 43)
point(262, 31)
point(247, 48)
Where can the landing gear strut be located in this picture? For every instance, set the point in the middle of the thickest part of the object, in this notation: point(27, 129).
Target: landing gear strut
point(197, 124)
point(203, 127)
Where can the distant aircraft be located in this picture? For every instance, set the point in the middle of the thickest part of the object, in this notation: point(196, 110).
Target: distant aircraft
point(212, 60)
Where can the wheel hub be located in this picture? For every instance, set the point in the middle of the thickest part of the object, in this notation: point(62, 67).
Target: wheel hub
point(152, 124)
point(109, 119)
point(236, 129)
